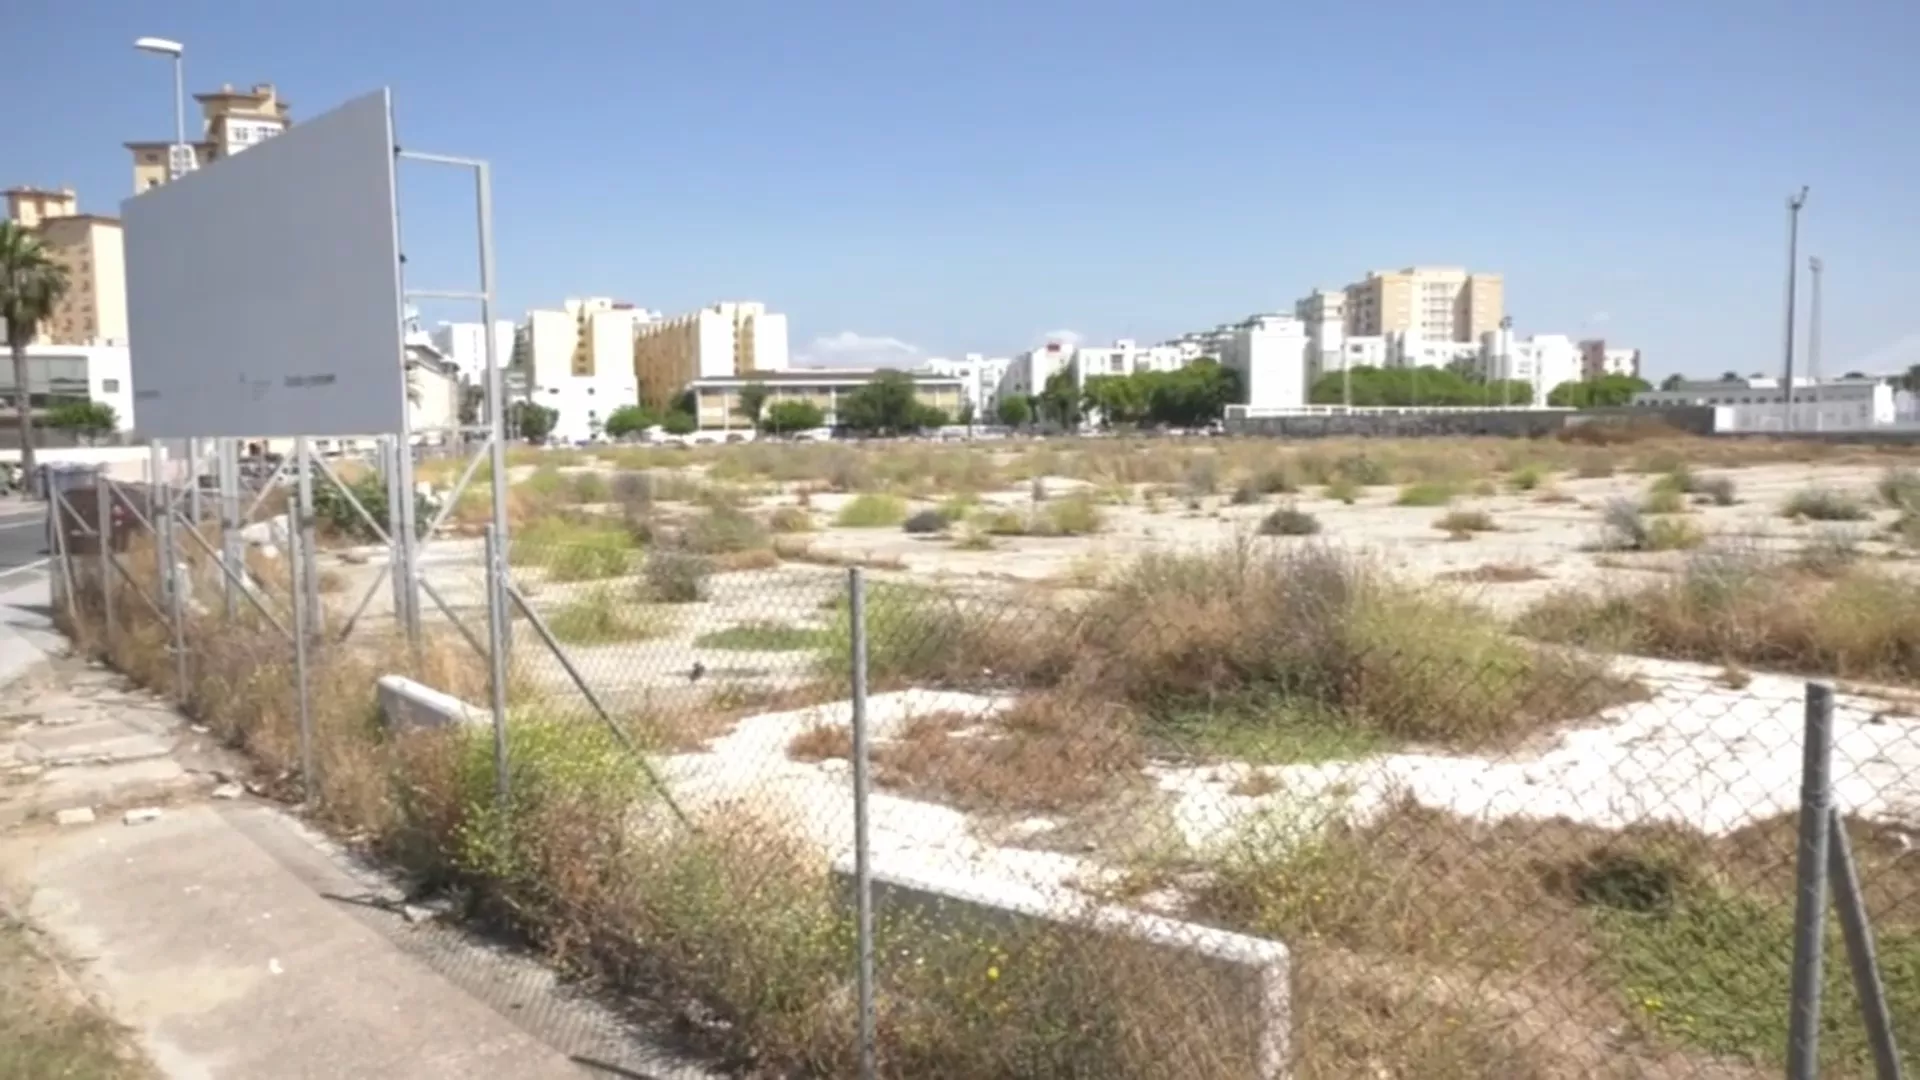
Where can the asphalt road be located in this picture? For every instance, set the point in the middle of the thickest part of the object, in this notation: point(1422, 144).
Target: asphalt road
point(23, 540)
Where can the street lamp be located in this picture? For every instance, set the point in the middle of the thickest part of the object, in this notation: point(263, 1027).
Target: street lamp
point(1506, 362)
point(1814, 266)
point(1794, 203)
point(180, 157)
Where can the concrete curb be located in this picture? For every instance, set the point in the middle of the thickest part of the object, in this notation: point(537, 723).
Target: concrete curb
point(406, 704)
point(1248, 979)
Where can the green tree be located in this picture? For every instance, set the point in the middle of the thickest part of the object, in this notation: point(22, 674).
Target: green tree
point(1192, 396)
point(1729, 376)
point(472, 397)
point(1909, 380)
point(1672, 382)
point(888, 405)
point(1014, 412)
point(1375, 387)
point(534, 422)
point(85, 419)
point(31, 283)
point(753, 398)
point(1606, 392)
point(1118, 399)
point(787, 417)
point(1060, 400)
point(627, 420)
point(679, 422)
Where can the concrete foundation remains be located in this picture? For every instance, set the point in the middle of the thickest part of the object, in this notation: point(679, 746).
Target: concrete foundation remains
point(408, 704)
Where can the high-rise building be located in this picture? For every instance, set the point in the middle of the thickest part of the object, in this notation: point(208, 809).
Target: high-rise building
point(1441, 303)
point(93, 310)
point(718, 341)
point(230, 121)
point(578, 362)
point(464, 344)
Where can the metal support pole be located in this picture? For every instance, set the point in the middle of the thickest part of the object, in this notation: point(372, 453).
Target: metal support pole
point(156, 491)
point(303, 520)
point(1809, 915)
point(1854, 927)
point(497, 618)
point(194, 449)
point(104, 533)
point(862, 850)
point(230, 523)
point(1794, 203)
point(174, 587)
point(496, 379)
point(296, 563)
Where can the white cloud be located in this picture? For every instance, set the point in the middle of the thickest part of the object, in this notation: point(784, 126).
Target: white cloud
point(1064, 337)
point(849, 349)
point(1600, 318)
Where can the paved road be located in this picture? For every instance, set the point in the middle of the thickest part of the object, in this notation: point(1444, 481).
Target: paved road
point(23, 539)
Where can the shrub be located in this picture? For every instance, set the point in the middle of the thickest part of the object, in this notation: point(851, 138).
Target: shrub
point(1663, 500)
point(1245, 494)
point(1344, 489)
point(1077, 515)
point(1825, 504)
point(632, 490)
point(1594, 464)
point(1004, 523)
point(1526, 478)
point(1899, 488)
point(590, 486)
point(1037, 489)
point(1203, 475)
point(1276, 480)
point(1426, 493)
point(1289, 520)
point(1673, 534)
point(1623, 527)
point(1465, 521)
point(598, 617)
point(1718, 490)
point(763, 637)
point(926, 521)
point(677, 577)
point(1831, 553)
point(1362, 470)
point(872, 511)
point(790, 519)
point(572, 550)
point(724, 530)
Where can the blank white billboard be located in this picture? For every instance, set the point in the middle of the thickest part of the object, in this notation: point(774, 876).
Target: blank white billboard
point(263, 291)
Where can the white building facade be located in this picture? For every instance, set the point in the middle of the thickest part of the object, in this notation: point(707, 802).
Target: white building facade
point(97, 373)
point(1761, 404)
point(981, 378)
point(464, 345)
point(1271, 354)
point(579, 362)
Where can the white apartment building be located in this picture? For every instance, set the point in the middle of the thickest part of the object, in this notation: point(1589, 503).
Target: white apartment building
point(58, 373)
point(464, 345)
point(980, 380)
point(580, 362)
point(1761, 404)
point(1598, 361)
point(1543, 360)
point(1271, 354)
point(1028, 373)
point(1411, 349)
point(719, 341)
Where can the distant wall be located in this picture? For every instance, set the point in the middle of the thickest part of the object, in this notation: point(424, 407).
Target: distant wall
point(1507, 423)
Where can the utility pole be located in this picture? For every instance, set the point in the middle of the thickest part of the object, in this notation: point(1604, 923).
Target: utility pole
point(1506, 362)
point(1794, 203)
point(1813, 335)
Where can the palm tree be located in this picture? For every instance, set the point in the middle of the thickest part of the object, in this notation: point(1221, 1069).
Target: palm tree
point(31, 283)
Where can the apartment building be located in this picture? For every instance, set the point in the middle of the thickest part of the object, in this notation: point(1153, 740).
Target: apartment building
point(717, 399)
point(1440, 303)
point(980, 379)
point(1598, 361)
point(464, 345)
point(230, 121)
point(578, 361)
point(1270, 352)
point(716, 342)
point(93, 310)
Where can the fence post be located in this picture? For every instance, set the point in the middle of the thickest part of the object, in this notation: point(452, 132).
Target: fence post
point(862, 849)
point(497, 617)
point(1809, 914)
point(230, 523)
point(103, 492)
point(171, 581)
point(1855, 929)
point(297, 540)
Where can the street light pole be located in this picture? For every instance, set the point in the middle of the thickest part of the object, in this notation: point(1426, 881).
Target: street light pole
point(179, 160)
point(1794, 203)
point(1506, 362)
point(1814, 267)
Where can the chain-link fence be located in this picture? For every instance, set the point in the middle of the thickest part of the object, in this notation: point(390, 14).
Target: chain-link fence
point(1252, 811)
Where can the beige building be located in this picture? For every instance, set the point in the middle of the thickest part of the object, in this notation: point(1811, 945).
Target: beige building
point(1439, 303)
point(94, 309)
point(231, 121)
point(717, 342)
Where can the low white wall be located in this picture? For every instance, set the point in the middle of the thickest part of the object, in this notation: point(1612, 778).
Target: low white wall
point(408, 704)
point(1245, 979)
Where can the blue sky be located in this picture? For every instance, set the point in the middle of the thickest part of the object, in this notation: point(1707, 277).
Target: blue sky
point(935, 178)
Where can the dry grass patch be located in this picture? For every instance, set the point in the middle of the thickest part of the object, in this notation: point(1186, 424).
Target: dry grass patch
point(1736, 608)
point(600, 616)
point(1825, 504)
point(1494, 574)
point(1464, 523)
point(47, 1030)
point(1048, 753)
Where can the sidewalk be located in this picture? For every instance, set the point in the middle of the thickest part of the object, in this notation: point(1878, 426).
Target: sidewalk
point(233, 940)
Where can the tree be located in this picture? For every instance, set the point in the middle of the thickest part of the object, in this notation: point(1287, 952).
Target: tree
point(1059, 400)
point(787, 417)
point(31, 284)
point(1729, 376)
point(472, 396)
point(1118, 399)
point(1909, 380)
point(627, 420)
point(887, 405)
point(679, 422)
point(534, 422)
point(85, 419)
point(1605, 392)
point(753, 398)
point(1014, 412)
point(1672, 382)
point(1371, 386)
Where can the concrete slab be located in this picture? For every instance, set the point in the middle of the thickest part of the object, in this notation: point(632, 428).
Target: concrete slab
point(102, 741)
point(235, 948)
point(67, 786)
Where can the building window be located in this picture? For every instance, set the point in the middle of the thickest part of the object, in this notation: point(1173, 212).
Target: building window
point(109, 386)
